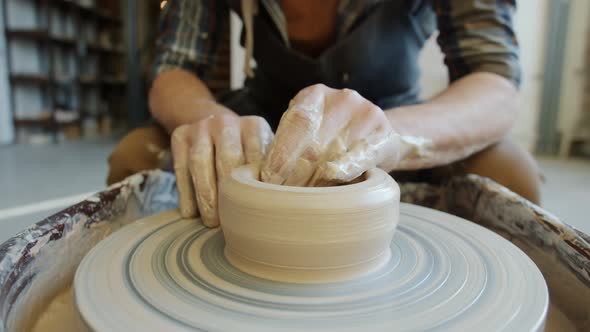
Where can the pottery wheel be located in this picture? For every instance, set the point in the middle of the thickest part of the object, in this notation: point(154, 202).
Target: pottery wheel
point(164, 273)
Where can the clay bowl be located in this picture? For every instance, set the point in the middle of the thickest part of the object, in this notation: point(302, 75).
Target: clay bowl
point(308, 234)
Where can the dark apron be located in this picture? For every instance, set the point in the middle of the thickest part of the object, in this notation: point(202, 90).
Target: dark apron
point(378, 58)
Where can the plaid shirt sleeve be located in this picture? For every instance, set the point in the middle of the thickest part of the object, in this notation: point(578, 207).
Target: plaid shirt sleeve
point(188, 35)
point(478, 35)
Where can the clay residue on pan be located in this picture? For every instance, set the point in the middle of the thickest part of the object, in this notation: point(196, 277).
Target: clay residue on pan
point(555, 247)
point(41, 261)
point(60, 315)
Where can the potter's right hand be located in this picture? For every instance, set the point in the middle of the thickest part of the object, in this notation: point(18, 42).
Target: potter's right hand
point(206, 151)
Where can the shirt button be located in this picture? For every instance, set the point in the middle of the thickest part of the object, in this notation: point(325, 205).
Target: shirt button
point(345, 77)
point(204, 35)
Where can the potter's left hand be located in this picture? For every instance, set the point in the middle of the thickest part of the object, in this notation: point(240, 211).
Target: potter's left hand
point(330, 136)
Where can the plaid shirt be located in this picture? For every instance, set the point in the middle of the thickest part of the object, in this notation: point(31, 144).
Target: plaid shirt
point(475, 35)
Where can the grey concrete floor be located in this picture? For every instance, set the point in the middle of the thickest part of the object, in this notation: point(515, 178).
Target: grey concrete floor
point(34, 174)
point(31, 174)
point(566, 191)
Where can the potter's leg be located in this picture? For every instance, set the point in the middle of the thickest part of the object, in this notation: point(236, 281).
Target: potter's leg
point(511, 166)
point(142, 149)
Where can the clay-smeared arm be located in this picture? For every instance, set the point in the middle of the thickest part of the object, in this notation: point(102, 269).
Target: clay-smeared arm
point(474, 112)
point(332, 136)
point(179, 97)
point(208, 139)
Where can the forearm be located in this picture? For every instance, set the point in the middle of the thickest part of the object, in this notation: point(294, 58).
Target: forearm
point(471, 114)
point(179, 97)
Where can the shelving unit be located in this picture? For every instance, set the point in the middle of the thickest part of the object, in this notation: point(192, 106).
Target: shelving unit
point(67, 59)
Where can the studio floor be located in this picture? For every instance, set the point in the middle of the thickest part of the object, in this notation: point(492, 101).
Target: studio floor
point(37, 181)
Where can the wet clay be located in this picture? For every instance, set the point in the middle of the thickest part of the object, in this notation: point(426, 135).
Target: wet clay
point(557, 321)
point(308, 235)
point(60, 315)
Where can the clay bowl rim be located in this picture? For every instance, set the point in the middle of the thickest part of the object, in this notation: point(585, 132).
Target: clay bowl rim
point(244, 176)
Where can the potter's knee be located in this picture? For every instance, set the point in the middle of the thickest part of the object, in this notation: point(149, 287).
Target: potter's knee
point(511, 166)
point(142, 149)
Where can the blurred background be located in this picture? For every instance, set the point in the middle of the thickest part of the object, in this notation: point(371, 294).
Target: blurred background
point(74, 76)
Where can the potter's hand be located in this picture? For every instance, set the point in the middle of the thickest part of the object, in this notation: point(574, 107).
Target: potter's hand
point(330, 136)
point(205, 152)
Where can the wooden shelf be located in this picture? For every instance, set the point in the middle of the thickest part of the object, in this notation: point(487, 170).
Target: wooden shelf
point(29, 79)
point(105, 49)
point(108, 24)
point(40, 35)
point(35, 34)
point(32, 122)
point(113, 81)
point(92, 12)
point(108, 17)
point(44, 121)
point(94, 114)
point(43, 80)
point(63, 41)
point(102, 81)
